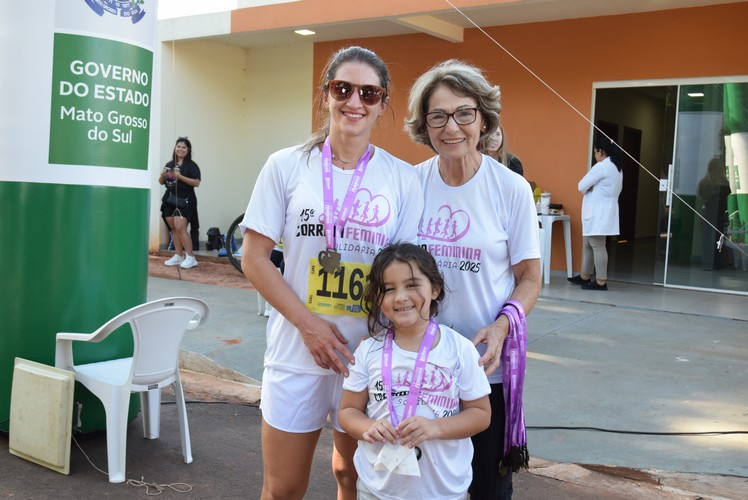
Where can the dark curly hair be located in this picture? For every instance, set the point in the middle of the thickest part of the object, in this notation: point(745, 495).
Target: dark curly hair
point(410, 254)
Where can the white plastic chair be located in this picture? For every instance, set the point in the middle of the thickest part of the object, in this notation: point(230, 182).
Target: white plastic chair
point(157, 330)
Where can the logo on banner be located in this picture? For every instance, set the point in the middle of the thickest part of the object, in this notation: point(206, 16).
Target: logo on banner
point(132, 9)
point(101, 96)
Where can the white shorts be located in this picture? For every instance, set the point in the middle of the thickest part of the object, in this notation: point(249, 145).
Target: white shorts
point(296, 403)
point(363, 493)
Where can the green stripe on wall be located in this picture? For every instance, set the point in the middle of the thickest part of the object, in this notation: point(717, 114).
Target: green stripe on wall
point(73, 257)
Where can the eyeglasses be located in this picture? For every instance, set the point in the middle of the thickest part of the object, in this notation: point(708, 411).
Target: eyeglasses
point(439, 119)
point(340, 90)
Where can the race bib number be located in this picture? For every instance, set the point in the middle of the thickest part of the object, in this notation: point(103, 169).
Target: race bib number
point(338, 292)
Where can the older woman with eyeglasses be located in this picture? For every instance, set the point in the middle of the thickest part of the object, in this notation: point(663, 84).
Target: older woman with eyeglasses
point(479, 222)
point(335, 202)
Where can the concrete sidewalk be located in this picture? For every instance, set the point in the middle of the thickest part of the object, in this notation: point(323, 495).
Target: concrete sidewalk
point(640, 363)
point(645, 383)
point(228, 465)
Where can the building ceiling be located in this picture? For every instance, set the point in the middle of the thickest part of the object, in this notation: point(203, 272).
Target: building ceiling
point(449, 22)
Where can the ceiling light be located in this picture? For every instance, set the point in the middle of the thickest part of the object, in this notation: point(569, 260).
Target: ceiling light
point(695, 94)
point(305, 32)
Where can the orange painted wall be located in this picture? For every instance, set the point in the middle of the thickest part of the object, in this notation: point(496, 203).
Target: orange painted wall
point(553, 140)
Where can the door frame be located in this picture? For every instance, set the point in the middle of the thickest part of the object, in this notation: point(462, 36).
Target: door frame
point(648, 170)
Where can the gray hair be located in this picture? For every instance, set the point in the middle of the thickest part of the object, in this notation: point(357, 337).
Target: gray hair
point(464, 80)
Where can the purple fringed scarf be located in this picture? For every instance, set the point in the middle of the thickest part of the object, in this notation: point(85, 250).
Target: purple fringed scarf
point(513, 361)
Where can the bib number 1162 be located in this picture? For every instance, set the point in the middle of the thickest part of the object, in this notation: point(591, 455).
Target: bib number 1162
point(339, 292)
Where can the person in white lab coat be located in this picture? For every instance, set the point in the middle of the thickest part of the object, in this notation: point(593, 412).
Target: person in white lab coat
point(600, 187)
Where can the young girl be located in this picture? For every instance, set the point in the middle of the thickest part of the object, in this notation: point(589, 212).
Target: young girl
point(416, 392)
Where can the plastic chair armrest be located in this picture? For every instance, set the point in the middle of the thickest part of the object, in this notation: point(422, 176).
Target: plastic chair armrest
point(64, 354)
point(83, 337)
point(64, 347)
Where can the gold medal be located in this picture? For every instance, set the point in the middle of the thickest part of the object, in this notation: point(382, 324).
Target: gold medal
point(329, 260)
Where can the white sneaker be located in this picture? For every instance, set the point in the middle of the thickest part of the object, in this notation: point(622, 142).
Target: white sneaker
point(175, 260)
point(189, 262)
point(268, 309)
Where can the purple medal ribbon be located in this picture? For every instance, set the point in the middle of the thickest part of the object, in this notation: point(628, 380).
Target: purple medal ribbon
point(345, 210)
point(419, 371)
point(513, 362)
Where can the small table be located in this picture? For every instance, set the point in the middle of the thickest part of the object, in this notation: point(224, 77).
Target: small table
point(547, 222)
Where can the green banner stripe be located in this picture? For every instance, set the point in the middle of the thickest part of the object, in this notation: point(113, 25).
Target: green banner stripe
point(736, 107)
point(75, 257)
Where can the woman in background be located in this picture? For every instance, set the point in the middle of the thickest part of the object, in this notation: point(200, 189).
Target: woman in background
point(600, 187)
point(713, 190)
point(181, 176)
point(496, 149)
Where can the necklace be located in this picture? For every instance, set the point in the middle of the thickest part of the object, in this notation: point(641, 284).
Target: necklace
point(344, 162)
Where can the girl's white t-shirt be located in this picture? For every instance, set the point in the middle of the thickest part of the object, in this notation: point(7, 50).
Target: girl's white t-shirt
point(452, 374)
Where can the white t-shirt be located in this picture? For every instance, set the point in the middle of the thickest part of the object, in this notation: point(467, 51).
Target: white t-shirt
point(452, 374)
point(287, 203)
point(600, 206)
point(477, 232)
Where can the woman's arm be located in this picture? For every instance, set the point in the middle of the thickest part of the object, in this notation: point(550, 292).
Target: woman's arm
point(187, 180)
point(594, 176)
point(527, 290)
point(323, 339)
point(162, 177)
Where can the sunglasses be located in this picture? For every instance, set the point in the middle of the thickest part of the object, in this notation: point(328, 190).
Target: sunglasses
point(340, 90)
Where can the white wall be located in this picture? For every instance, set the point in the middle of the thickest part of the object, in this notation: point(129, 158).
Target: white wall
point(279, 106)
point(236, 106)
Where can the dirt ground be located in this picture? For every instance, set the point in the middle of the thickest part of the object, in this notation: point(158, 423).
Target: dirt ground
point(209, 271)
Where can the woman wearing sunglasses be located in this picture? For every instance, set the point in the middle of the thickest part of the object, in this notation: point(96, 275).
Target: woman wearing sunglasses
point(480, 224)
point(335, 202)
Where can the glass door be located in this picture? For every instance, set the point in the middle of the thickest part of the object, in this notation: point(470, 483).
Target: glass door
point(704, 217)
point(665, 187)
